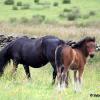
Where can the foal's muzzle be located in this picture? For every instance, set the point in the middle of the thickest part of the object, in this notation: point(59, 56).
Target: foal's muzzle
point(91, 55)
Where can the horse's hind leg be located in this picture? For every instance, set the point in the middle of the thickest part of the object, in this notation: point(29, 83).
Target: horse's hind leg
point(27, 71)
point(80, 79)
point(67, 79)
point(64, 78)
point(75, 81)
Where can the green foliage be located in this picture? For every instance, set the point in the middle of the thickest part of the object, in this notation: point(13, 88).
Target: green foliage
point(36, 1)
point(67, 10)
point(38, 19)
point(55, 4)
point(15, 7)
point(25, 6)
point(9, 2)
point(24, 20)
point(13, 19)
point(92, 13)
point(19, 3)
point(66, 1)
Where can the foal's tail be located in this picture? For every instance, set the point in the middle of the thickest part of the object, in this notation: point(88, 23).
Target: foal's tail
point(58, 57)
point(4, 59)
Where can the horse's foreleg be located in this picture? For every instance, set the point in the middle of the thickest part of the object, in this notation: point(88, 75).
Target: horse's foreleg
point(27, 71)
point(80, 79)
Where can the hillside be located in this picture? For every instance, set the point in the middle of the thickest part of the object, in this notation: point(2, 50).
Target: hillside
point(52, 11)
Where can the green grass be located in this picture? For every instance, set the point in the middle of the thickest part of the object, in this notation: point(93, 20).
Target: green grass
point(52, 13)
point(40, 88)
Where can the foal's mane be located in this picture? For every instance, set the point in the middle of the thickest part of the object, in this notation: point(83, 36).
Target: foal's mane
point(82, 41)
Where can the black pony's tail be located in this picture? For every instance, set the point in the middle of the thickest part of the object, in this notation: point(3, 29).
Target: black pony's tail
point(4, 59)
point(58, 57)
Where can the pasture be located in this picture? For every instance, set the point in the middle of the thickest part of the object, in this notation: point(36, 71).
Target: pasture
point(40, 88)
point(79, 12)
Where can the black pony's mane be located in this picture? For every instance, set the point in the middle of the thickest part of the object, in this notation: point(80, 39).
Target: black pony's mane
point(81, 42)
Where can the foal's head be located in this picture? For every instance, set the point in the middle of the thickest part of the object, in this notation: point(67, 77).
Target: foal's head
point(87, 45)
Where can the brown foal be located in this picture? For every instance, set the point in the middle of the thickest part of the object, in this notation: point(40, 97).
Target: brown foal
point(73, 58)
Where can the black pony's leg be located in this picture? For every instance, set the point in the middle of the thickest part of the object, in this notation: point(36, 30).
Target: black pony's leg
point(27, 71)
point(15, 65)
point(54, 73)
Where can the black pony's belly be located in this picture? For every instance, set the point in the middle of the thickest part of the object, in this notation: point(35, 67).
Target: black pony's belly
point(35, 63)
point(38, 65)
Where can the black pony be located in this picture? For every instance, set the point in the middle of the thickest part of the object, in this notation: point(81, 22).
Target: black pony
point(30, 52)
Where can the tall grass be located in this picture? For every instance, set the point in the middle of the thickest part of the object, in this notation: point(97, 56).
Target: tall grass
point(40, 88)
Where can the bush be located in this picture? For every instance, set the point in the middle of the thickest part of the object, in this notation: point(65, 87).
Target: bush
point(67, 10)
point(24, 20)
point(19, 3)
point(66, 1)
point(75, 13)
point(55, 4)
point(86, 16)
point(13, 19)
point(92, 13)
point(71, 16)
point(38, 19)
point(15, 8)
point(36, 1)
point(25, 6)
point(9, 2)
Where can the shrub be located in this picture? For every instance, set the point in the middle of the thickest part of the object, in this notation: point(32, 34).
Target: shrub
point(24, 20)
point(36, 1)
point(86, 16)
point(9, 2)
point(71, 16)
point(55, 4)
point(75, 13)
point(15, 8)
point(13, 19)
point(66, 1)
point(92, 13)
point(25, 6)
point(19, 3)
point(67, 10)
point(38, 19)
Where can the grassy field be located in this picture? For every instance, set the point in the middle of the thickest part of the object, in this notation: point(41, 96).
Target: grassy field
point(52, 13)
point(40, 88)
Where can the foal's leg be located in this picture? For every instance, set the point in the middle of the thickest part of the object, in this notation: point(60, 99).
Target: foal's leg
point(75, 81)
point(80, 79)
point(27, 71)
point(67, 79)
point(64, 78)
point(59, 78)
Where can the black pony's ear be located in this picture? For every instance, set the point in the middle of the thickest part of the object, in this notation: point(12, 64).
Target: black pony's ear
point(94, 38)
